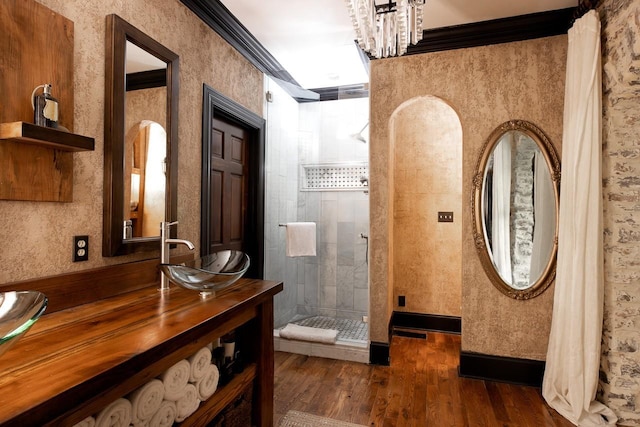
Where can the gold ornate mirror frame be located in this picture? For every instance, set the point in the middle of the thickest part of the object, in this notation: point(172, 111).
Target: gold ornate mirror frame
point(479, 235)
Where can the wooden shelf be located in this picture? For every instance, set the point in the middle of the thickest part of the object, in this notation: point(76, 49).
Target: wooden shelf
point(223, 397)
point(29, 133)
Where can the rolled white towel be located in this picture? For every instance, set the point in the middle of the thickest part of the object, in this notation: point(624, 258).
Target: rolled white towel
point(199, 364)
point(208, 385)
point(87, 422)
point(188, 403)
point(145, 401)
point(165, 416)
point(116, 414)
point(175, 379)
point(306, 333)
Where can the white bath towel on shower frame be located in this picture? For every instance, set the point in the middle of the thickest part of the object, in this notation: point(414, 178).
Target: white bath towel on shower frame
point(301, 239)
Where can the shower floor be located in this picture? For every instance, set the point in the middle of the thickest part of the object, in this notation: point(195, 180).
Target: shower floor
point(348, 330)
point(352, 343)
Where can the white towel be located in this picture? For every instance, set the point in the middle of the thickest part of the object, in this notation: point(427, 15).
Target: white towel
point(175, 379)
point(145, 401)
point(301, 239)
point(305, 333)
point(87, 422)
point(209, 383)
point(117, 414)
point(187, 403)
point(199, 364)
point(165, 416)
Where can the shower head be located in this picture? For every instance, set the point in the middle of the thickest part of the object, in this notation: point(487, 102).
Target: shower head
point(358, 136)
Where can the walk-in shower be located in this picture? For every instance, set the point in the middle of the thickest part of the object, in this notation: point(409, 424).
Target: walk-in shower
point(314, 171)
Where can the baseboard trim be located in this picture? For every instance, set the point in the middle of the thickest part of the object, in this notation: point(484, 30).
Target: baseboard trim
point(427, 322)
point(379, 353)
point(502, 369)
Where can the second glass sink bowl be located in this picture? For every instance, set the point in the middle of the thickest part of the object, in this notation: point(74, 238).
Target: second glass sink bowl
point(209, 273)
point(19, 310)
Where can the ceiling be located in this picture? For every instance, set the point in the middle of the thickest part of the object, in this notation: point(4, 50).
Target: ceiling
point(314, 40)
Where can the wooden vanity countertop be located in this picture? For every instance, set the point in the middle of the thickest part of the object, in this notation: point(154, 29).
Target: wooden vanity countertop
point(73, 362)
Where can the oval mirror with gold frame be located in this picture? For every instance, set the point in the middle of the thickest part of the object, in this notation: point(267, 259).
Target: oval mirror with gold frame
point(515, 203)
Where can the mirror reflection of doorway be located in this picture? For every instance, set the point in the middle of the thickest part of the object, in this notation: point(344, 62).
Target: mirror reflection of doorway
point(145, 188)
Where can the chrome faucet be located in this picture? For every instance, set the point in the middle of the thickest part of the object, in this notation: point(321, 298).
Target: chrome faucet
point(165, 241)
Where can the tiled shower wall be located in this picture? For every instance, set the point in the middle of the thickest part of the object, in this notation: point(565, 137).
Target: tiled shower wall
point(334, 283)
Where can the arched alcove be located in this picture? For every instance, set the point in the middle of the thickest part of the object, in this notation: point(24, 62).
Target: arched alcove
point(425, 179)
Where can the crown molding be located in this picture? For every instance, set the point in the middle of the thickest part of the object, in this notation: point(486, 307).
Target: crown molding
point(505, 30)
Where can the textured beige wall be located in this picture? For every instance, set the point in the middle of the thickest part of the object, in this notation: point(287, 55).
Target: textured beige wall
point(44, 230)
point(486, 86)
point(620, 376)
point(426, 136)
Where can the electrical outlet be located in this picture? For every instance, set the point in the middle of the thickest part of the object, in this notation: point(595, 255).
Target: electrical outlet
point(445, 216)
point(80, 248)
point(401, 301)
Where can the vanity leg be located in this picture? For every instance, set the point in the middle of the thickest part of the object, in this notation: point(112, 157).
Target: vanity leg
point(263, 401)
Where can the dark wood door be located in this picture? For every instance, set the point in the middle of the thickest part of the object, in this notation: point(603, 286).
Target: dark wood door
point(229, 186)
point(232, 204)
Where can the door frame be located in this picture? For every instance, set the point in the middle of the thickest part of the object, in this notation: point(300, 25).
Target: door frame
point(219, 106)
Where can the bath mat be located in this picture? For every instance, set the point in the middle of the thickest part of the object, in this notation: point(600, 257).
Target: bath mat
point(305, 333)
point(302, 419)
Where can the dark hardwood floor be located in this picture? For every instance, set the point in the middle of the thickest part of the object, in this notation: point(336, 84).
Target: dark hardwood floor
point(420, 388)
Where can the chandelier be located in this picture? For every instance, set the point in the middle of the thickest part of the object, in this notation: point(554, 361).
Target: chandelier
point(386, 28)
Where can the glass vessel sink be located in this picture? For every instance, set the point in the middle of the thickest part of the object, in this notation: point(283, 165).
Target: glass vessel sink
point(210, 273)
point(18, 311)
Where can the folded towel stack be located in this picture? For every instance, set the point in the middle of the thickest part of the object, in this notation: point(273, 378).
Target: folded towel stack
point(172, 397)
point(165, 416)
point(188, 403)
point(175, 379)
point(146, 401)
point(209, 382)
point(117, 414)
point(199, 363)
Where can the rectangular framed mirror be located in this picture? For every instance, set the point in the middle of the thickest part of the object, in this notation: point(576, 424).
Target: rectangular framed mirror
point(140, 139)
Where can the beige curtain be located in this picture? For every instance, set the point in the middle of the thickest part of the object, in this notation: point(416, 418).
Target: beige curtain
point(544, 215)
point(573, 356)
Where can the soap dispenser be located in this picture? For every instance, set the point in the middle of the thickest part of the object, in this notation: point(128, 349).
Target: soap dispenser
point(45, 107)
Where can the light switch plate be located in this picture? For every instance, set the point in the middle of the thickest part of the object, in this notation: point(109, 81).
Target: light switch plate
point(445, 216)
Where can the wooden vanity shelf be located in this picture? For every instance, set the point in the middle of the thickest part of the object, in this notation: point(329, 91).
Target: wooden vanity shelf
point(29, 133)
point(223, 397)
point(76, 361)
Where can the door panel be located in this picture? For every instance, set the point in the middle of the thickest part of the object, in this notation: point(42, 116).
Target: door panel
point(216, 214)
point(229, 186)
